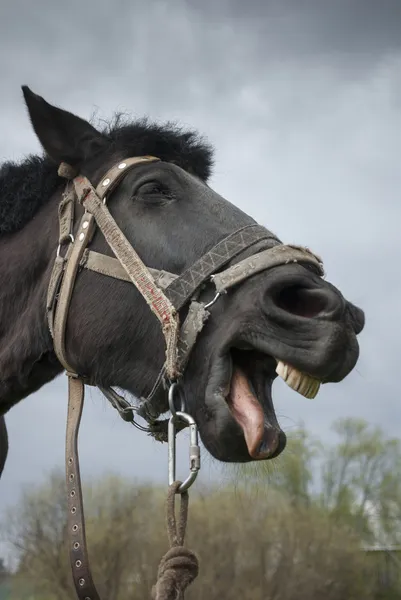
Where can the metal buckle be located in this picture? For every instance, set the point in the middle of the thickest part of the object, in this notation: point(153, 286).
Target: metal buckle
point(69, 241)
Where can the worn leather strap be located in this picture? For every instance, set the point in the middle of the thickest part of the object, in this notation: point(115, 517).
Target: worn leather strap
point(84, 235)
point(52, 291)
point(114, 175)
point(267, 259)
point(66, 217)
point(184, 287)
point(81, 574)
point(154, 405)
point(107, 265)
point(66, 223)
point(191, 328)
point(139, 274)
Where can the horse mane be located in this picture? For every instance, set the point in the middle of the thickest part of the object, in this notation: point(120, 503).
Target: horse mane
point(26, 186)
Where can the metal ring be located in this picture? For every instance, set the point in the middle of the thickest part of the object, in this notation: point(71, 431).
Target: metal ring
point(173, 387)
point(72, 240)
point(217, 296)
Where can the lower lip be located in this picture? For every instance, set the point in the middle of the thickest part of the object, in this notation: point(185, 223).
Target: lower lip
point(267, 448)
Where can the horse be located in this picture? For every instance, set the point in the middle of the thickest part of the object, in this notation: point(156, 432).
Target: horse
point(172, 287)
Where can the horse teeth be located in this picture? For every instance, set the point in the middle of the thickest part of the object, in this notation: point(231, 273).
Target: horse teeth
point(300, 382)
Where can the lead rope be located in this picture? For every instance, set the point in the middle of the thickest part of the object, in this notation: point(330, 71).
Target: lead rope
point(179, 567)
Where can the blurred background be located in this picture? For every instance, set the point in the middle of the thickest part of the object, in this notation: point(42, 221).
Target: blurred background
point(301, 100)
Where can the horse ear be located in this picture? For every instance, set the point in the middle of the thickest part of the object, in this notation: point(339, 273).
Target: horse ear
point(64, 136)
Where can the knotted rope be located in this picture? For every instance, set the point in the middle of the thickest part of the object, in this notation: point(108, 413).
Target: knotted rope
point(179, 566)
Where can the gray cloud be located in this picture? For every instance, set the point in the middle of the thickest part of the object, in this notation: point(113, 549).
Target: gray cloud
point(303, 106)
point(363, 28)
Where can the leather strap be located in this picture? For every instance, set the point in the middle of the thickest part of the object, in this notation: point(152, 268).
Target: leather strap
point(84, 235)
point(66, 224)
point(66, 217)
point(191, 328)
point(154, 405)
point(107, 265)
point(114, 175)
point(184, 287)
point(54, 285)
point(267, 259)
point(81, 573)
point(139, 274)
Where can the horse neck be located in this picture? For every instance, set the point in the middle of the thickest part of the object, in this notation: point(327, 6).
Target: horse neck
point(27, 360)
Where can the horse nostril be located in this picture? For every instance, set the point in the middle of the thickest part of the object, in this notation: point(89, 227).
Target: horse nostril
point(303, 301)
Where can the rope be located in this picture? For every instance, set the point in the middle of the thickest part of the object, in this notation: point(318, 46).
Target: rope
point(179, 566)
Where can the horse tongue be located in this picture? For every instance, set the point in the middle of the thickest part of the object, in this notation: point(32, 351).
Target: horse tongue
point(247, 411)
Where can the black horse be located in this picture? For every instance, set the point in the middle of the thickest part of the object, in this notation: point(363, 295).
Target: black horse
point(286, 319)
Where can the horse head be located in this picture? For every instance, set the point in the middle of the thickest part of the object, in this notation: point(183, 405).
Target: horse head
point(282, 319)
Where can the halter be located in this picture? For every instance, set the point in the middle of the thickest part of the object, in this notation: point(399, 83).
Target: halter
point(166, 294)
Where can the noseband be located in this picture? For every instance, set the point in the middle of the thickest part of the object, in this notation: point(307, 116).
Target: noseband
point(165, 293)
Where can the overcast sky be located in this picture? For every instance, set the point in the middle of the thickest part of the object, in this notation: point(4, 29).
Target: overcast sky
point(302, 101)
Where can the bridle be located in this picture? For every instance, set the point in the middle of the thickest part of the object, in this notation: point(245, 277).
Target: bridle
point(166, 294)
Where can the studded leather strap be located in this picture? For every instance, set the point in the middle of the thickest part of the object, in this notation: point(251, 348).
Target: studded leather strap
point(113, 177)
point(81, 574)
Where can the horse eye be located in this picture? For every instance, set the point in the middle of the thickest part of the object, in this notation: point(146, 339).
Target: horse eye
point(155, 192)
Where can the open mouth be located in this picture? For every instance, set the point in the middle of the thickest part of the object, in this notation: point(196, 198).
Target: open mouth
point(246, 377)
